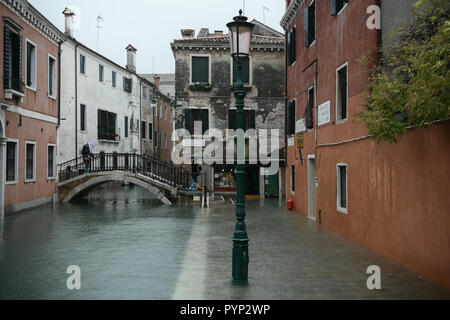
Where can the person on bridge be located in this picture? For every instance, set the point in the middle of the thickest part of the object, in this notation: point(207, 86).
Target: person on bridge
point(196, 171)
point(87, 155)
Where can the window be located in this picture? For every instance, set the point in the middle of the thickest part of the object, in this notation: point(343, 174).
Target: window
point(51, 161)
point(309, 114)
point(196, 115)
point(165, 141)
point(30, 161)
point(291, 118)
point(156, 139)
point(342, 93)
point(144, 93)
point(82, 64)
point(310, 24)
point(126, 127)
point(150, 131)
point(200, 70)
point(144, 126)
point(165, 112)
point(249, 119)
point(293, 179)
point(127, 84)
point(342, 190)
point(292, 46)
point(106, 125)
point(82, 117)
point(337, 6)
point(11, 161)
point(101, 70)
point(31, 65)
point(114, 77)
point(12, 62)
point(51, 77)
point(245, 70)
point(161, 111)
point(160, 141)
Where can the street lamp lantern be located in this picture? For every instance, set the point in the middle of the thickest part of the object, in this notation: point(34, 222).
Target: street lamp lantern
point(240, 41)
point(240, 35)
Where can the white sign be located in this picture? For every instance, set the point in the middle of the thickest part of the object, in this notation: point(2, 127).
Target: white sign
point(324, 113)
point(300, 126)
point(291, 142)
point(194, 143)
point(197, 198)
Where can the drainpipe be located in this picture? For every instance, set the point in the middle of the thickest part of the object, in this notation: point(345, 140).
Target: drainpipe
point(76, 102)
point(59, 83)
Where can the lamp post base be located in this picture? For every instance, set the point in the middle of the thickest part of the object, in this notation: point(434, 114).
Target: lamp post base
point(240, 261)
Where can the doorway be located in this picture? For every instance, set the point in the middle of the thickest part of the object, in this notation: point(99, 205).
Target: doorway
point(312, 187)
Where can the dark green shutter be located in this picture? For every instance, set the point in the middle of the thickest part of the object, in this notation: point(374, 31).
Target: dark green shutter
point(252, 119)
point(291, 118)
point(307, 23)
point(99, 124)
point(288, 118)
point(28, 64)
point(188, 120)
point(292, 46)
point(245, 70)
point(232, 119)
point(126, 127)
point(6, 57)
point(333, 7)
point(312, 23)
point(200, 69)
point(205, 120)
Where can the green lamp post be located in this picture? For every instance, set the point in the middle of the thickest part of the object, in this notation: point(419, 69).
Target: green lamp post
point(240, 40)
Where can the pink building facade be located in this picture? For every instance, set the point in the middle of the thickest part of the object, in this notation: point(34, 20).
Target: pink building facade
point(29, 111)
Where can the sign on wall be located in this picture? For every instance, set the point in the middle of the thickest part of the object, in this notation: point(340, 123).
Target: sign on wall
point(291, 142)
point(300, 126)
point(324, 113)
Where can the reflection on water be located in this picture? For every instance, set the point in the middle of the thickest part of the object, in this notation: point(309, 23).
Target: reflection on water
point(117, 235)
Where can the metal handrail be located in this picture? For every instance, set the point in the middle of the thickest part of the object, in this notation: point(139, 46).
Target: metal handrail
point(164, 172)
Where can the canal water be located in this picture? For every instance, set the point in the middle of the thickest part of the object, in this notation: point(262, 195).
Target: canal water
point(127, 244)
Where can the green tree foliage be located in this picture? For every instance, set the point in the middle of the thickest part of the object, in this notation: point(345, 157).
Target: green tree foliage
point(410, 85)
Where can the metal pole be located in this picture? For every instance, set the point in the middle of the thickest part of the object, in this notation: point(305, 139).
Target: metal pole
point(240, 239)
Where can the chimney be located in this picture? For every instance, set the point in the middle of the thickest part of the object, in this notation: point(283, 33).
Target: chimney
point(68, 14)
point(131, 58)
point(218, 33)
point(156, 79)
point(188, 33)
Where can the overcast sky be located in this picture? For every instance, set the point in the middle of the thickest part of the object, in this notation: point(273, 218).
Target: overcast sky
point(151, 25)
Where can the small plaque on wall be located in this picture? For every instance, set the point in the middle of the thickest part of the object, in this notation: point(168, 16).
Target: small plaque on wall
point(324, 113)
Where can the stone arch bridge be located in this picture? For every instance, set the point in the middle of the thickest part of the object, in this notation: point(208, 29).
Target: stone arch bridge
point(164, 180)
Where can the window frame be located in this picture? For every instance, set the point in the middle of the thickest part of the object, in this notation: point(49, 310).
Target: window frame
point(54, 161)
point(83, 72)
point(34, 161)
point(339, 189)
point(101, 73)
point(190, 66)
point(293, 30)
point(83, 119)
point(16, 164)
point(295, 118)
point(343, 8)
point(54, 80)
point(33, 87)
point(143, 130)
point(292, 179)
point(315, 23)
point(337, 103)
point(114, 79)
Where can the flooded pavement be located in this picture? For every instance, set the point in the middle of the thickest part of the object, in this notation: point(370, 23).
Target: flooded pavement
point(129, 246)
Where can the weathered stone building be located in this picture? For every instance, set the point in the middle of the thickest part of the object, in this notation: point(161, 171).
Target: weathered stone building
point(204, 92)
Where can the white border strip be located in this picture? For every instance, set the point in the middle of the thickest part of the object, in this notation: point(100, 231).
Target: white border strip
point(32, 114)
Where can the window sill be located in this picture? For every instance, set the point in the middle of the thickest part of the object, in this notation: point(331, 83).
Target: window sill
point(83, 132)
point(52, 97)
point(11, 93)
point(200, 87)
point(51, 179)
point(31, 88)
point(293, 64)
point(10, 183)
point(30, 181)
point(108, 141)
point(342, 210)
point(341, 121)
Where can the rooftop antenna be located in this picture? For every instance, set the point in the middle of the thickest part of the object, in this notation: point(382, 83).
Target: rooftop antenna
point(264, 14)
point(99, 20)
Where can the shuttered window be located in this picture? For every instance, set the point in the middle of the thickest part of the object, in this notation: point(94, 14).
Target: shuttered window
point(31, 65)
point(12, 62)
point(150, 131)
point(127, 84)
point(309, 113)
point(310, 24)
point(82, 64)
point(156, 139)
point(144, 127)
point(342, 188)
point(200, 69)
point(291, 118)
point(106, 125)
point(337, 5)
point(11, 161)
point(126, 127)
point(30, 157)
point(196, 115)
point(342, 93)
point(249, 119)
point(101, 70)
point(82, 117)
point(245, 70)
point(51, 162)
point(292, 46)
point(51, 77)
point(114, 77)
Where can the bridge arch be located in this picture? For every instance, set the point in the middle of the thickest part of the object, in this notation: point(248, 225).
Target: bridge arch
point(117, 176)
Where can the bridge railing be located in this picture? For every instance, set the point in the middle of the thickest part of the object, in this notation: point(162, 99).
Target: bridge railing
point(156, 169)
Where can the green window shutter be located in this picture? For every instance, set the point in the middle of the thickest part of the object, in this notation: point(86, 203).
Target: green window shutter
point(288, 118)
point(126, 127)
point(205, 120)
point(252, 119)
point(6, 57)
point(188, 120)
point(307, 23)
point(312, 23)
point(291, 118)
point(200, 70)
point(245, 70)
point(232, 119)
